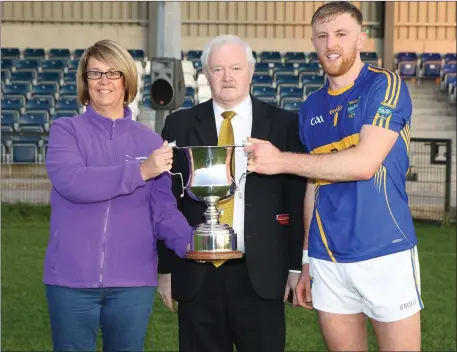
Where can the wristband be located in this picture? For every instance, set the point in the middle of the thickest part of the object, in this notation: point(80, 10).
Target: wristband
point(305, 258)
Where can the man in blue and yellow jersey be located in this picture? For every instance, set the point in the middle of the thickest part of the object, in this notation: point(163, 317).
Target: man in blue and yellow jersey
point(362, 257)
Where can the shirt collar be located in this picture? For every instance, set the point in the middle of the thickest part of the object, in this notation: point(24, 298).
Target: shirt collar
point(242, 109)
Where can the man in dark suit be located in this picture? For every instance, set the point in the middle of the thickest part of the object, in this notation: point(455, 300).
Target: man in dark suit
point(240, 302)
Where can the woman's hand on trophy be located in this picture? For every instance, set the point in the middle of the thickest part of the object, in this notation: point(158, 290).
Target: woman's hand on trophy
point(160, 160)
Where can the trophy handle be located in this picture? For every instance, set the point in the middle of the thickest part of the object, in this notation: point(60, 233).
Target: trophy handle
point(182, 181)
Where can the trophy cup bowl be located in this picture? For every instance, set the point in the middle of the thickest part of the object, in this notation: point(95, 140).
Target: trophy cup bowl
point(211, 180)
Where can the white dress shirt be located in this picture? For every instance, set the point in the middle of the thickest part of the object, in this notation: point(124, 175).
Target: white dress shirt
point(242, 126)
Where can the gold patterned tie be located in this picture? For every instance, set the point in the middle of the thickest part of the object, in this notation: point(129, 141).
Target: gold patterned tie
point(226, 137)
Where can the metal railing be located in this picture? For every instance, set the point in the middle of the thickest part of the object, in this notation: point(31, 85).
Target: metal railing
point(428, 183)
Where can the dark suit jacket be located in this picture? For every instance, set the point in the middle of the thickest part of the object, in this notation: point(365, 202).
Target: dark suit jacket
point(271, 248)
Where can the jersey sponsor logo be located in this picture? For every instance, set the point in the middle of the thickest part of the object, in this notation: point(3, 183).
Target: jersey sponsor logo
point(384, 111)
point(317, 119)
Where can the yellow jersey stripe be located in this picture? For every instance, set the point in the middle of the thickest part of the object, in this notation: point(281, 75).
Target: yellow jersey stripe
point(324, 238)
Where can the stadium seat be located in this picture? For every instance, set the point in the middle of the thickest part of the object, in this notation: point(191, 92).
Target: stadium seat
point(50, 76)
point(449, 70)
point(188, 103)
point(69, 77)
point(17, 89)
point(39, 103)
point(309, 89)
point(193, 55)
point(45, 89)
point(312, 69)
point(36, 121)
point(24, 153)
point(23, 76)
point(270, 56)
point(312, 57)
point(262, 68)
point(7, 63)
point(287, 68)
point(55, 64)
point(34, 53)
point(290, 92)
point(73, 65)
point(369, 57)
point(286, 79)
point(29, 64)
point(63, 113)
point(77, 54)
point(295, 57)
point(68, 90)
point(430, 66)
point(10, 53)
point(261, 91)
point(260, 78)
point(13, 103)
point(450, 58)
point(67, 104)
point(10, 119)
point(190, 92)
point(267, 99)
point(137, 54)
point(197, 65)
point(292, 105)
point(56, 53)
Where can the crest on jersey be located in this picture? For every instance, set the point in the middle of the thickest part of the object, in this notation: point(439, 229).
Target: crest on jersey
point(352, 106)
point(384, 111)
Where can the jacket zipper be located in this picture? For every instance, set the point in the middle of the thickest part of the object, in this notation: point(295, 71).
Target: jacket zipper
point(105, 227)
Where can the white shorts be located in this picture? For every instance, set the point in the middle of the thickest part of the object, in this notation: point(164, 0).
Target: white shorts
point(386, 288)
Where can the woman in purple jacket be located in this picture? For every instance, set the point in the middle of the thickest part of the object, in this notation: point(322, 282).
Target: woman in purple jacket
point(111, 200)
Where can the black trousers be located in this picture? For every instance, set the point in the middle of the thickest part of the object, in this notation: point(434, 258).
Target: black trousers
point(227, 312)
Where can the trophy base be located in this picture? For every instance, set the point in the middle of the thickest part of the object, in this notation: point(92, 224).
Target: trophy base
point(209, 256)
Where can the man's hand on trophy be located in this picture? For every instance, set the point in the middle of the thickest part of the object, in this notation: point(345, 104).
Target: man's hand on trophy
point(161, 160)
point(263, 157)
point(164, 290)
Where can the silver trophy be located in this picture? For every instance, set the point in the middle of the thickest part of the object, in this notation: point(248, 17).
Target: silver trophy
point(211, 181)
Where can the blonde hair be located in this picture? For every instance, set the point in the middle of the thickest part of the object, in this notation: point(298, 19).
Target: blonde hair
point(113, 54)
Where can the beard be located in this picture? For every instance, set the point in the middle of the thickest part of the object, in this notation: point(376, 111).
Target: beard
point(333, 69)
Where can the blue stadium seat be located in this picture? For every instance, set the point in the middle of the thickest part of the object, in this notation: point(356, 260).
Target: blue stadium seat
point(286, 79)
point(312, 69)
point(292, 105)
point(69, 77)
point(290, 92)
point(23, 76)
point(34, 53)
point(197, 65)
point(50, 76)
point(193, 55)
point(7, 63)
point(312, 57)
point(270, 56)
point(10, 53)
point(259, 78)
point(13, 103)
point(267, 99)
point(295, 57)
point(77, 53)
point(73, 65)
point(10, 119)
point(369, 57)
point(45, 89)
point(431, 70)
point(433, 57)
point(406, 56)
point(55, 53)
point(6, 74)
point(67, 104)
point(261, 91)
point(147, 79)
point(29, 64)
point(407, 69)
point(17, 89)
point(68, 90)
point(55, 64)
point(450, 58)
point(188, 103)
point(137, 54)
point(262, 68)
point(24, 153)
point(36, 121)
point(39, 103)
point(309, 90)
point(190, 92)
point(64, 113)
point(313, 81)
point(288, 68)
point(449, 68)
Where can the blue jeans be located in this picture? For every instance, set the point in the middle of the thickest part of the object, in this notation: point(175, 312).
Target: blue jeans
point(121, 313)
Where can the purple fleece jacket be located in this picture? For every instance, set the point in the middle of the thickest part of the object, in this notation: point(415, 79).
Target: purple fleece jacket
point(105, 219)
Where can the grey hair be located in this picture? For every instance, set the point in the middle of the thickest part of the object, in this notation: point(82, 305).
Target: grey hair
point(226, 39)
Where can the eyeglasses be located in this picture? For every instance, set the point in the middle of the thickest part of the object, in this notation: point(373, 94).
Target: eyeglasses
point(108, 74)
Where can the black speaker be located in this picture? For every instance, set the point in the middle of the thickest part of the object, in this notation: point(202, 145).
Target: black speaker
point(167, 84)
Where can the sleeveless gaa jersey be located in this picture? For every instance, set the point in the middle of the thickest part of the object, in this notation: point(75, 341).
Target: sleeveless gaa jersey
point(355, 221)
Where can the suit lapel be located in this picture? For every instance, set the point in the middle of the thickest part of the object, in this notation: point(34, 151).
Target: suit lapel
point(206, 124)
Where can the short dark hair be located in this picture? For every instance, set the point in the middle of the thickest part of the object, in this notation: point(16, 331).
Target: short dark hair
point(330, 10)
